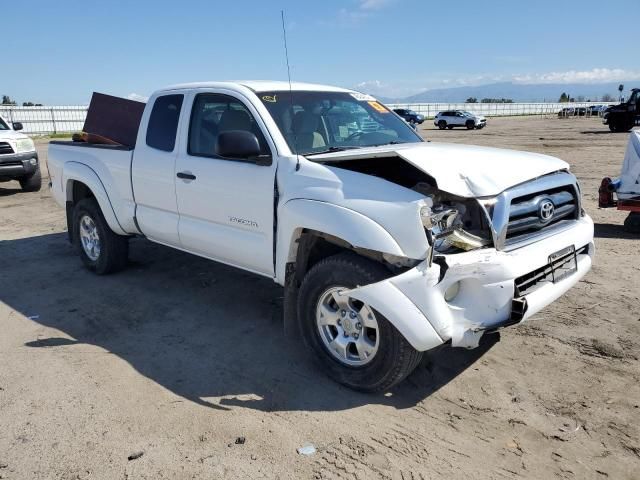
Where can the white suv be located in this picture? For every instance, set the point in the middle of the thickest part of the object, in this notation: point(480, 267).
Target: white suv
point(459, 118)
point(18, 157)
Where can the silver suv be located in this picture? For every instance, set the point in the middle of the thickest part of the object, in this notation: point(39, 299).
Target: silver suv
point(459, 118)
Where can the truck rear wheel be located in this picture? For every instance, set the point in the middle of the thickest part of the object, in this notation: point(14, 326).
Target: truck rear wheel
point(355, 345)
point(33, 182)
point(100, 249)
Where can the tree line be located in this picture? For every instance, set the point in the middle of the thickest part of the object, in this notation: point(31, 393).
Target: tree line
point(566, 98)
point(6, 100)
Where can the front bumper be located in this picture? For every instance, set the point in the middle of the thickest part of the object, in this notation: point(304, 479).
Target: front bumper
point(414, 302)
point(17, 165)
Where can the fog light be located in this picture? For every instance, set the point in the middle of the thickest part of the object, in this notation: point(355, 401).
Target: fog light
point(452, 292)
point(33, 161)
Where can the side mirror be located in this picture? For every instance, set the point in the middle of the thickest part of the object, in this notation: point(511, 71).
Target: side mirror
point(241, 145)
point(17, 126)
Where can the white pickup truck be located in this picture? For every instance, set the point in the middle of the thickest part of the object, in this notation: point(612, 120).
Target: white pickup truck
point(387, 246)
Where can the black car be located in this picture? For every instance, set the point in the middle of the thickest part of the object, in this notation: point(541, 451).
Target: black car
point(572, 112)
point(409, 115)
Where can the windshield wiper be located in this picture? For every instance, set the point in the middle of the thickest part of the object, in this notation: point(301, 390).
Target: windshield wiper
point(331, 150)
point(392, 142)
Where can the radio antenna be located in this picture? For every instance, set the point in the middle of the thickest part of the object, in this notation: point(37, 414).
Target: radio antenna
point(286, 56)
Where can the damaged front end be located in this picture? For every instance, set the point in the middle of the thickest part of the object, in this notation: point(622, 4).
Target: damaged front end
point(484, 270)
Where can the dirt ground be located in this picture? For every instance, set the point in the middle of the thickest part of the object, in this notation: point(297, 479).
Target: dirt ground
point(177, 368)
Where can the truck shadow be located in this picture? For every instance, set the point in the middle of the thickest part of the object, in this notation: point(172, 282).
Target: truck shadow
point(6, 191)
point(611, 230)
point(208, 333)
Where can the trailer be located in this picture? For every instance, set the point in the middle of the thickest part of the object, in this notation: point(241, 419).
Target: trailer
point(623, 192)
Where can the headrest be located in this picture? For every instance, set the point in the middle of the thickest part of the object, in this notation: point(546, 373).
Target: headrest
point(305, 122)
point(234, 120)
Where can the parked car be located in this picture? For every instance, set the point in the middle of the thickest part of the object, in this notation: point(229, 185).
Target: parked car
point(572, 112)
point(595, 110)
point(18, 157)
point(459, 118)
point(623, 117)
point(387, 246)
point(409, 115)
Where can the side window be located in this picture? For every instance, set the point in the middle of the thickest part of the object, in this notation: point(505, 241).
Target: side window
point(163, 122)
point(215, 113)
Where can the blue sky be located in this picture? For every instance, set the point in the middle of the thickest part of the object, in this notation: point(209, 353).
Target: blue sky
point(58, 52)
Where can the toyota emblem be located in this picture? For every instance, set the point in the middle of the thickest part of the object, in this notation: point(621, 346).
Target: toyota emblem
point(547, 209)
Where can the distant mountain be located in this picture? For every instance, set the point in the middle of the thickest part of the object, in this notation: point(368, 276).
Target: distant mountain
point(518, 92)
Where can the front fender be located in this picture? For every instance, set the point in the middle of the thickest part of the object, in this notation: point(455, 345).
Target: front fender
point(75, 171)
point(348, 225)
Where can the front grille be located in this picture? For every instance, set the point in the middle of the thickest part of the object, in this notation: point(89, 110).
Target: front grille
point(533, 280)
point(523, 214)
point(5, 148)
point(528, 214)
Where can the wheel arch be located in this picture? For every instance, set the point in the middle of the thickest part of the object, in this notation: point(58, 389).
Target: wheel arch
point(80, 182)
point(301, 221)
point(309, 231)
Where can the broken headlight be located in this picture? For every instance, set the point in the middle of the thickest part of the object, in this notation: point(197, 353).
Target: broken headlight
point(449, 228)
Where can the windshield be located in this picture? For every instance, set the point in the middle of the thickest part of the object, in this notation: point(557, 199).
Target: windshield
point(634, 97)
point(318, 122)
point(3, 126)
point(468, 114)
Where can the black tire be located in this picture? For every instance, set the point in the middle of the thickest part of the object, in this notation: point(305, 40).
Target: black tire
point(114, 248)
point(471, 124)
point(632, 222)
point(620, 126)
point(442, 124)
point(33, 182)
point(395, 357)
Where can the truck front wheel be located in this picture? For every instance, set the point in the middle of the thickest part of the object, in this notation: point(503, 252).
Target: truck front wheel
point(355, 345)
point(33, 182)
point(100, 249)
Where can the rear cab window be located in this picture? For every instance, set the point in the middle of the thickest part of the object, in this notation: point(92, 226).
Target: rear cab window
point(163, 122)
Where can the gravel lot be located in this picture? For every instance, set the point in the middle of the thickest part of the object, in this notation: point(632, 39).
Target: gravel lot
point(178, 368)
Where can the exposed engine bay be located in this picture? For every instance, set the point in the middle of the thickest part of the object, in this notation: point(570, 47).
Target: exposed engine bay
point(452, 224)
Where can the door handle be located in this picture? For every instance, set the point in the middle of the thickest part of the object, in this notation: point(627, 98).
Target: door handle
point(186, 176)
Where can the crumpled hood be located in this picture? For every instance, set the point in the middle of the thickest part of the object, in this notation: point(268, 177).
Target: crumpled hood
point(465, 170)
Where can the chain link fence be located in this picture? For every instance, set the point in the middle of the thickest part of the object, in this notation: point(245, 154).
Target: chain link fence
point(46, 120)
point(69, 119)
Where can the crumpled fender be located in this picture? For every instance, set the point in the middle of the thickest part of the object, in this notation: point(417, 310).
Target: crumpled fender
point(386, 298)
point(348, 225)
point(75, 171)
point(389, 297)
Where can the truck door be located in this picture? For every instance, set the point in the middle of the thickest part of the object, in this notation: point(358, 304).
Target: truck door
point(153, 170)
point(225, 205)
